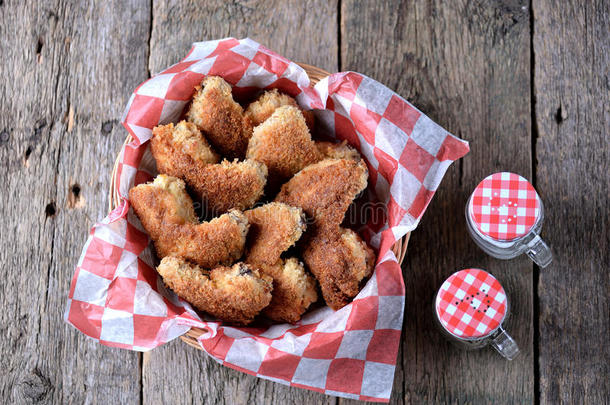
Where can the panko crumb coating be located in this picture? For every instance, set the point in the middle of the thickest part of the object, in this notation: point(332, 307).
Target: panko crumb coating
point(340, 150)
point(220, 118)
point(261, 109)
point(283, 143)
point(229, 185)
point(325, 190)
point(340, 261)
point(234, 294)
point(166, 212)
point(182, 151)
point(178, 147)
point(274, 228)
point(294, 290)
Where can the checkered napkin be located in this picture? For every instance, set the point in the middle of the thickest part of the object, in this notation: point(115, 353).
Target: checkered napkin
point(117, 298)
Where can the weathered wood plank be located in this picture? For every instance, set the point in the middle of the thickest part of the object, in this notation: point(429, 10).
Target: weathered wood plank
point(467, 66)
point(302, 32)
point(572, 93)
point(64, 74)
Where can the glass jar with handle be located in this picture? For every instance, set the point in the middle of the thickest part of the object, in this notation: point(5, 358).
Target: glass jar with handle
point(504, 216)
point(470, 308)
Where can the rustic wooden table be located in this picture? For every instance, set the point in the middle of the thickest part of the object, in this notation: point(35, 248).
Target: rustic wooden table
point(527, 84)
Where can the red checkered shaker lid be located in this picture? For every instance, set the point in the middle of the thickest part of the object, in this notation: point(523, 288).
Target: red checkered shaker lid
point(504, 206)
point(471, 304)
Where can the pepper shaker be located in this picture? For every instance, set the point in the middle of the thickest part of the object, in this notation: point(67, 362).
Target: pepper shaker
point(470, 308)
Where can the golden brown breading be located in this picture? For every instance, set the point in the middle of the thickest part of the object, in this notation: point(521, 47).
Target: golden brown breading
point(181, 151)
point(178, 147)
point(340, 261)
point(234, 294)
point(261, 109)
point(337, 257)
point(283, 143)
point(221, 119)
point(166, 212)
point(228, 185)
point(340, 150)
point(325, 190)
point(274, 227)
point(294, 290)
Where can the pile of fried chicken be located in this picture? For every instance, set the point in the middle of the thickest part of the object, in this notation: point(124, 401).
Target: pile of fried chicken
point(242, 262)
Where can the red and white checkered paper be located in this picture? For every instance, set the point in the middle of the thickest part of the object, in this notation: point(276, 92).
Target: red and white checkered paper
point(504, 206)
point(117, 298)
point(471, 304)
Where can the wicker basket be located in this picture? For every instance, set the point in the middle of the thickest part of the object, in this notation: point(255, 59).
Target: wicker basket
point(315, 75)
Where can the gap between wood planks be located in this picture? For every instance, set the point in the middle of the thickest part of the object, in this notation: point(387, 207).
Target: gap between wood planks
point(339, 28)
point(143, 357)
point(535, 268)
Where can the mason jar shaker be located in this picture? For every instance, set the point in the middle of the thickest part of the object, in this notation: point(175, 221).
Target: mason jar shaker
point(504, 216)
point(470, 308)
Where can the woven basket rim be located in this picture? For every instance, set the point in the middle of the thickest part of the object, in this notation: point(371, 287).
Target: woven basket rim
point(315, 75)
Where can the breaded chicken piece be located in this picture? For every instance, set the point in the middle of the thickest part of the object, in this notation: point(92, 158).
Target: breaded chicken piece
point(340, 150)
point(325, 190)
point(182, 151)
point(283, 143)
point(340, 261)
point(294, 290)
point(166, 212)
point(261, 109)
point(274, 227)
point(178, 147)
point(337, 257)
point(227, 185)
point(234, 294)
point(221, 119)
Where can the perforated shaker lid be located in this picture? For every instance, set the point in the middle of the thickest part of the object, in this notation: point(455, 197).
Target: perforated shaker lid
point(504, 206)
point(471, 304)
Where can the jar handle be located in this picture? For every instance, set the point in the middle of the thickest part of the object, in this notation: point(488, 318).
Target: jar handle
point(539, 252)
point(505, 345)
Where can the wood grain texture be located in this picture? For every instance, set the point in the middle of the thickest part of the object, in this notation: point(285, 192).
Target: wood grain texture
point(64, 73)
point(572, 93)
point(302, 32)
point(67, 72)
point(467, 66)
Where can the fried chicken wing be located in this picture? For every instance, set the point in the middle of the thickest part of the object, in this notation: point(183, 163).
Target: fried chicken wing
point(283, 143)
point(176, 148)
point(221, 119)
point(261, 109)
point(325, 190)
point(166, 212)
point(294, 290)
point(340, 150)
point(182, 151)
point(234, 294)
point(228, 185)
point(337, 257)
point(274, 227)
point(340, 261)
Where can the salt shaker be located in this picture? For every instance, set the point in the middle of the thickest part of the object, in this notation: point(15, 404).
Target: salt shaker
point(470, 308)
point(504, 216)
